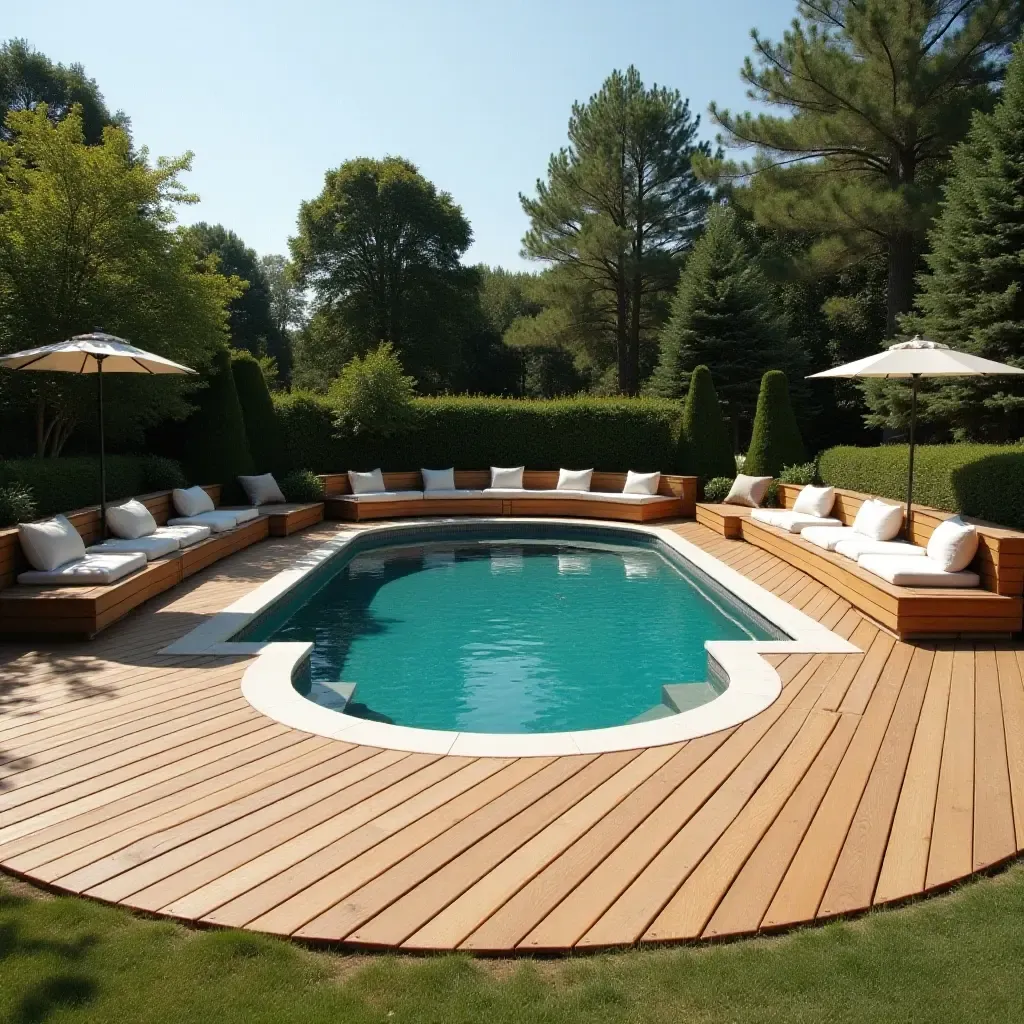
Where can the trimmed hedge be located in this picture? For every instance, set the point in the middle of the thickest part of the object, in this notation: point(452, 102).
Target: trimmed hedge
point(474, 433)
point(62, 485)
point(982, 480)
point(705, 430)
point(216, 449)
point(775, 440)
point(261, 427)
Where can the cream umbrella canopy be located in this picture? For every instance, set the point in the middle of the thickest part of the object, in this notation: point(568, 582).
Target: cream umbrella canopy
point(96, 353)
point(915, 359)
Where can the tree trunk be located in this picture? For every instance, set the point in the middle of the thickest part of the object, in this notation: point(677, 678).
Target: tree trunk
point(899, 294)
point(621, 333)
point(40, 427)
point(633, 355)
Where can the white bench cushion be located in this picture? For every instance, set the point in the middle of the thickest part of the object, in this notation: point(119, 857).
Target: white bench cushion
point(91, 570)
point(152, 546)
point(641, 483)
point(827, 537)
point(916, 571)
point(878, 519)
point(953, 544)
point(616, 496)
point(438, 480)
point(456, 493)
point(815, 501)
point(51, 543)
point(219, 521)
point(790, 521)
point(748, 490)
point(857, 545)
point(366, 483)
point(262, 490)
point(186, 536)
point(243, 515)
point(507, 477)
point(386, 496)
point(574, 479)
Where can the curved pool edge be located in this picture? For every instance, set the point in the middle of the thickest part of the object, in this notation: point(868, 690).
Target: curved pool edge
point(752, 682)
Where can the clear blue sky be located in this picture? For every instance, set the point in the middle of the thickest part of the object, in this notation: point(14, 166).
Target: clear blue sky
point(270, 95)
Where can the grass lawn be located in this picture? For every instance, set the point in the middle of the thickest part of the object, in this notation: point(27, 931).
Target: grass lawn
point(955, 958)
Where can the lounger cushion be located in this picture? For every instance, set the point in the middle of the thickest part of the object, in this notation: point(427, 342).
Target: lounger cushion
point(51, 543)
point(748, 491)
point(243, 515)
point(219, 521)
point(385, 496)
point(366, 483)
point(186, 536)
point(584, 496)
point(641, 483)
point(827, 537)
point(191, 501)
point(790, 520)
point(453, 493)
point(152, 546)
point(878, 519)
point(916, 571)
point(574, 479)
point(815, 501)
point(262, 490)
point(507, 477)
point(91, 570)
point(438, 479)
point(130, 520)
point(953, 544)
point(857, 545)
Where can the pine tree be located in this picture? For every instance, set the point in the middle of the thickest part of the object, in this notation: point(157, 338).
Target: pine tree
point(723, 316)
point(704, 429)
point(775, 441)
point(972, 297)
point(877, 92)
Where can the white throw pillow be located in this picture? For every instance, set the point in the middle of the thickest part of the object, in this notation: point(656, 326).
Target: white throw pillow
point(438, 479)
point(878, 519)
point(130, 521)
point(748, 490)
point(262, 490)
point(191, 501)
point(366, 483)
point(49, 544)
point(641, 483)
point(953, 544)
point(815, 501)
point(507, 478)
point(574, 479)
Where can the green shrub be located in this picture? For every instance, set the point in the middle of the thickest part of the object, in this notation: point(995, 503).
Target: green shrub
point(982, 480)
point(302, 485)
point(717, 488)
point(804, 473)
point(216, 449)
point(704, 429)
point(373, 395)
point(62, 485)
point(262, 430)
point(474, 433)
point(775, 441)
point(16, 504)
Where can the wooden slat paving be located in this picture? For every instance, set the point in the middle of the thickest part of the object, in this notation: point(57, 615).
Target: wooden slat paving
point(147, 780)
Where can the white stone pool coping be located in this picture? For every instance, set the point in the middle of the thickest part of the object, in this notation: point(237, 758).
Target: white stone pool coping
point(753, 684)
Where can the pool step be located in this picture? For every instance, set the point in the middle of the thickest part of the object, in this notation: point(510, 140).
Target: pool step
point(686, 696)
point(652, 714)
point(332, 695)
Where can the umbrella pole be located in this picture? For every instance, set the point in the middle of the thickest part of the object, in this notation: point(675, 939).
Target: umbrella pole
point(910, 472)
point(103, 460)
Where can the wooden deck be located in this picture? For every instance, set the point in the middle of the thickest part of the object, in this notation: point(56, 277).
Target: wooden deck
point(148, 781)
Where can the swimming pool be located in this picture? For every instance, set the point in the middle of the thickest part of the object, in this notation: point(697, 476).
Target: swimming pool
point(508, 629)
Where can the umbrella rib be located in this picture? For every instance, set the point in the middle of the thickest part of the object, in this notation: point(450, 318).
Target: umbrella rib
point(85, 359)
point(35, 359)
point(143, 365)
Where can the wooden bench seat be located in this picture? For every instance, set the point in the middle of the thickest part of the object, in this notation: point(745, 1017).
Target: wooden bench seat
point(724, 519)
point(84, 611)
point(286, 519)
point(676, 493)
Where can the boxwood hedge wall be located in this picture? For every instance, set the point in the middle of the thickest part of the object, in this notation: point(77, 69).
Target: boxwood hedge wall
point(474, 433)
point(982, 480)
point(62, 485)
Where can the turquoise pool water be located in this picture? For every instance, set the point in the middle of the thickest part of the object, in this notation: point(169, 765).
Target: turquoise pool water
point(490, 634)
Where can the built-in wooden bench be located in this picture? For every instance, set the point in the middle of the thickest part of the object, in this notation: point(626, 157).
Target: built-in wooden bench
point(84, 611)
point(995, 607)
point(284, 520)
point(724, 519)
point(679, 493)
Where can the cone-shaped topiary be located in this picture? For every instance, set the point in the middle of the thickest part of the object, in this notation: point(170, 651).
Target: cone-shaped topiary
point(216, 448)
point(707, 436)
point(776, 440)
point(261, 426)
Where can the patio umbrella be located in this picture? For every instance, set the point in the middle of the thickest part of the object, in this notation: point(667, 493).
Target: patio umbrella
point(915, 359)
point(96, 353)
